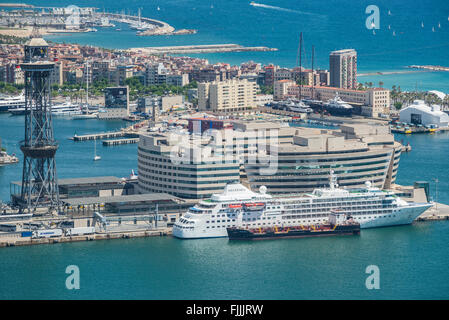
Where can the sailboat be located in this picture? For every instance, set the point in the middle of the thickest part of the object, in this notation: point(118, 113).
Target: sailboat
point(394, 33)
point(86, 113)
point(422, 24)
point(433, 29)
point(133, 176)
point(96, 157)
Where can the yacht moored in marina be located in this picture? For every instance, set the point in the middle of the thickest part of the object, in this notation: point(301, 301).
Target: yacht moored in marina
point(338, 106)
point(11, 103)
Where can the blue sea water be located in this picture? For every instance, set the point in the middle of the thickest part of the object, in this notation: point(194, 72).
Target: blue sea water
point(326, 24)
point(412, 259)
point(74, 159)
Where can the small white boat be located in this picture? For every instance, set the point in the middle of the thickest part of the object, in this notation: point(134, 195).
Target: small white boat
point(133, 176)
point(96, 157)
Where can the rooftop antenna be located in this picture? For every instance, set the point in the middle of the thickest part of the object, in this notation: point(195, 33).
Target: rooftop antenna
point(313, 75)
point(300, 66)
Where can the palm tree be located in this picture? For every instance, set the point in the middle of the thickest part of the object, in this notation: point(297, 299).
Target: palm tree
point(381, 83)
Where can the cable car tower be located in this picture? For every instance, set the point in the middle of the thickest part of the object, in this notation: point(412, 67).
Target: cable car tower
point(39, 181)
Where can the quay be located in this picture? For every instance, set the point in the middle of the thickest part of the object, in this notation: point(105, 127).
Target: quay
point(412, 130)
point(429, 67)
point(115, 142)
point(129, 132)
point(439, 211)
point(15, 240)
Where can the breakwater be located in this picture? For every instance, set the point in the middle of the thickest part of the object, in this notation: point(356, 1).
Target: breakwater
point(212, 48)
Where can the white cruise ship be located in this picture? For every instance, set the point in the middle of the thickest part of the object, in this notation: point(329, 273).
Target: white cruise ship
point(238, 206)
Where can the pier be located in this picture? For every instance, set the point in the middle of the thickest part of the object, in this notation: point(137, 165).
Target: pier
point(439, 211)
point(430, 68)
point(129, 132)
point(15, 239)
point(116, 142)
point(97, 136)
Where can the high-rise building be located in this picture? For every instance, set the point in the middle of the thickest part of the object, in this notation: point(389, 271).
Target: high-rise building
point(227, 96)
point(343, 69)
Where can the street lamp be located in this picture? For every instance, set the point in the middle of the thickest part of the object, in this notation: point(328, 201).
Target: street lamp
point(436, 192)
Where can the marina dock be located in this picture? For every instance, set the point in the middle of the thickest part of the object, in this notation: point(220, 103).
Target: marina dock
point(16, 240)
point(97, 136)
point(129, 132)
point(115, 142)
point(438, 212)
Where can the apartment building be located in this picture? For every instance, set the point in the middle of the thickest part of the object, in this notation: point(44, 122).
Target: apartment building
point(343, 69)
point(227, 96)
point(375, 102)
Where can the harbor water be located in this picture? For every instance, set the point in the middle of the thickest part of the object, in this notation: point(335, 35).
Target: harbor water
point(411, 259)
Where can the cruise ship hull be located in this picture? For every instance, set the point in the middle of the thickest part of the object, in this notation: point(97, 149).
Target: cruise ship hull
point(403, 216)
